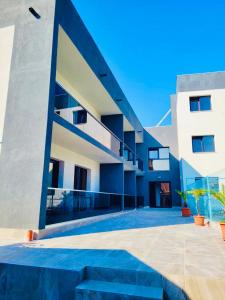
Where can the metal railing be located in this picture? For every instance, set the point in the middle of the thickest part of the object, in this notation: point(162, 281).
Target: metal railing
point(209, 206)
point(65, 204)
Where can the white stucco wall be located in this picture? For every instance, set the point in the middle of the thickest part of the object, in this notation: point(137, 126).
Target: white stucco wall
point(73, 92)
point(6, 46)
point(70, 160)
point(93, 128)
point(201, 123)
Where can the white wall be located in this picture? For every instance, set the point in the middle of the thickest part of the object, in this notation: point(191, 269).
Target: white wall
point(6, 46)
point(70, 160)
point(73, 92)
point(201, 123)
point(92, 127)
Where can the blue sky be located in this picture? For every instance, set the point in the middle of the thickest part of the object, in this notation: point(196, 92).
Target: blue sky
point(147, 43)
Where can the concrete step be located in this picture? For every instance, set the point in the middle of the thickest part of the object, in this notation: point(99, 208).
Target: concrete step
point(147, 277)
point(101, 290)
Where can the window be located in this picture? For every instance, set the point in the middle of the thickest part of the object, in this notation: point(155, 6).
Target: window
point(207, 182)
point(55, 176)
point(159, 159)
point(200, 103)
point(80, 178)
point(80, 117)
point(203, 143)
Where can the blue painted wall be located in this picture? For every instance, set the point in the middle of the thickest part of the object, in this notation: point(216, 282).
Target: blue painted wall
point(173, 175)
point(129, 139)
point(115, 124)
point(112, 178)
point(130, 183)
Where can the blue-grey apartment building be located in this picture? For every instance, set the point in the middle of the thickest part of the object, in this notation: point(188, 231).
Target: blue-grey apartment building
point(71, 144)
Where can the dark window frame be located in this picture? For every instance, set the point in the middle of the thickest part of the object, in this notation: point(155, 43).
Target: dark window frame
point(197, 99)
point(150, 160)
point(203, 148)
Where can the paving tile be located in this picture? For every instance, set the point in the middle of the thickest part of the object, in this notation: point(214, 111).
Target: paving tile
point(198, 288)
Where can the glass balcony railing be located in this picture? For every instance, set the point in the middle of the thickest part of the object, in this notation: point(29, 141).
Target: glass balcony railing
point(64, 205)
point(70, 109)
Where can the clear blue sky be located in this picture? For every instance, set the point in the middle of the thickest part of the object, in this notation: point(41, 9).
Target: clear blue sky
point(147, 43)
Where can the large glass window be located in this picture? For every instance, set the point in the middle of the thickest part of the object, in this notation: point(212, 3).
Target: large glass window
point(159, 159)
point(200, 103)
point(203, 143)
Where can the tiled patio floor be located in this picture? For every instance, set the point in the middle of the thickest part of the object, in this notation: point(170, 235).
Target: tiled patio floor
point(190, 257)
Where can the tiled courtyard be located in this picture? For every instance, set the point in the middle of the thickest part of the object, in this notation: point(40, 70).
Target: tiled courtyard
point(191, 258)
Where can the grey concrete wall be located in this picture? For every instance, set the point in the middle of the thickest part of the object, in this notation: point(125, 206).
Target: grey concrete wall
point(204, 81)
point(27, 127)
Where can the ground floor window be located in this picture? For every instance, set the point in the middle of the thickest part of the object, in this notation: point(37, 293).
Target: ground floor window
point(80, 178)
point(207, 182)
point(53, 177)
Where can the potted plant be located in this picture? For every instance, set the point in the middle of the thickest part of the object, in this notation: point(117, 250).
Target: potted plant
point(220, 196)
point(197, 193)
point(186, 212)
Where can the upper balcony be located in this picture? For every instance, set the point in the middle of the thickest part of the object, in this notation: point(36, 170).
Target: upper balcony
point(68, 108)
point(71, 111)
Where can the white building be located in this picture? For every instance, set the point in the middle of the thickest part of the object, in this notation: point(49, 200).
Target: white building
point(200, 109)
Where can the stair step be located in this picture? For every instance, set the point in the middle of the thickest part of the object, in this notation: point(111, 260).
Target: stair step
point(148, 277)
point(94, 289)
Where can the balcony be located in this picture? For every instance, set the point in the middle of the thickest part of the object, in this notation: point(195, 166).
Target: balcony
point(70, 110)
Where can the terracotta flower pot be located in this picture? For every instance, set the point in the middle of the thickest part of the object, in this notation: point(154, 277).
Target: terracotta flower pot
point(222, 226)
point(186, 212)
point(30, 235)
point(199, 220)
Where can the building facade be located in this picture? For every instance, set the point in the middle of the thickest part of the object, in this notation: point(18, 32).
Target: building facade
point(200, 124)
point(71, 144)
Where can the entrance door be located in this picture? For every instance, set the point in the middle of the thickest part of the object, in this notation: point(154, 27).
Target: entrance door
point(80, 178)
point(160, 194)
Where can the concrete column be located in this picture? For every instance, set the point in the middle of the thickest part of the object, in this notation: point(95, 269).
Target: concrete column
point(27, 130)
point(112, 179)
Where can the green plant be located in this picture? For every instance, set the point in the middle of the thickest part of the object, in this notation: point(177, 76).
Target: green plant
point(197, 194)
point(183, 196)
point(220, 197)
